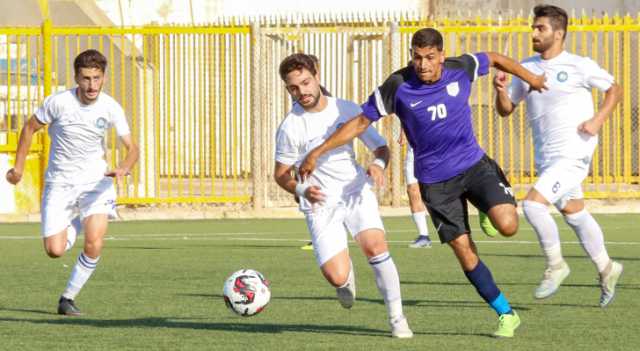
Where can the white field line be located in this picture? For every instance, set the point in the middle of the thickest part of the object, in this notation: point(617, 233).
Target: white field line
point(259, 236)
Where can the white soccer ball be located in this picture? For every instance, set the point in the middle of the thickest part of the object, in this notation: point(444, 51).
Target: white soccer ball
point(246, 292)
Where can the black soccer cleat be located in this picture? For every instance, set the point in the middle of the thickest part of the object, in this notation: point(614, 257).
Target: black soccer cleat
point(67, 307)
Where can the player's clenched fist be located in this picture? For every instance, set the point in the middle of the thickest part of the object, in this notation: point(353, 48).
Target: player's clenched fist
point(14, 176)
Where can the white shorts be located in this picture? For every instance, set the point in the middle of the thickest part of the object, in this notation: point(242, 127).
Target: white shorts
point(561, 181)
point(63, 202)
point(409, 170)
point(328, 226)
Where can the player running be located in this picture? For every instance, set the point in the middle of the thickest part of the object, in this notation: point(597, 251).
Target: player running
point(565, 133)
point(338, 196)
point(430, 97)
point(78, 192)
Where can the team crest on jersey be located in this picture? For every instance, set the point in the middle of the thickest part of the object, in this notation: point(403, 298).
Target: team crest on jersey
point(101, 123)
point(453, 89)
point(562, 76)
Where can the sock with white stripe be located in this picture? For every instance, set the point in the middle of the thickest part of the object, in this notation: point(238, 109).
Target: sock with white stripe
point(82, 271)
point(546, 229)
point(73, 230)
point(388, 282)
point(420, 219)
point(591, 237)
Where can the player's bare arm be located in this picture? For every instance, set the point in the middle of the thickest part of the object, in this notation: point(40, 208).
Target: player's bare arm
point(504, 106)
point(343, 135)
point(282, 176)
point(611, 99)
point(124, 168)
point(509, 65)
point(376, 168)
point(14, 175)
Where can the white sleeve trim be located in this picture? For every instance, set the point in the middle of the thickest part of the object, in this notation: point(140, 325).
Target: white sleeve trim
point(475, 70)
point(380, 103)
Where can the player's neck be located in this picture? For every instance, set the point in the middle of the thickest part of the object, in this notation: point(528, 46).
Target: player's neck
point(552, 52)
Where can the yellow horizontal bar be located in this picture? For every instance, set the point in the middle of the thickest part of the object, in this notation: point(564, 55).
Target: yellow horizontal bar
point(13, 148)
point(323, 29)
point(20, 30)
point(524, 29)
point(148, 30)
point(183, 199)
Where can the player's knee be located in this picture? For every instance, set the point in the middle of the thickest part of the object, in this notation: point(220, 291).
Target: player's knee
point(93, 248)
point(375, 248)
point(508, 225)
point(54, 252)
point(337, 278)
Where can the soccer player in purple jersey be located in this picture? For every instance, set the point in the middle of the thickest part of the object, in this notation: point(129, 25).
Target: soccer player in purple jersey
point(430, 96)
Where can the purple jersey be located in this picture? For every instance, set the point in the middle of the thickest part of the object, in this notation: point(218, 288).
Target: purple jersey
point(435, 117)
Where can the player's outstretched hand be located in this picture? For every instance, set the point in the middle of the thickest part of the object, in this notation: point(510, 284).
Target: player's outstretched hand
point(13, 176)
point(500, 81)
point(377, 174)
point(590, 127)
point(117, 173)
point(308, 165)
point(314, 194)
point(538, 83)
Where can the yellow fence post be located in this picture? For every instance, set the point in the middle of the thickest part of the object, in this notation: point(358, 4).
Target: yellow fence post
point(256, 116)
point(46, 77)
point(396, 154)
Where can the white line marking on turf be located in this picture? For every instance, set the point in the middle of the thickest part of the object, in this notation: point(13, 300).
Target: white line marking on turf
point(220, 237)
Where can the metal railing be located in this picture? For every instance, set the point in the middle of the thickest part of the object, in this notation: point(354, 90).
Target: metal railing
point(204, 102)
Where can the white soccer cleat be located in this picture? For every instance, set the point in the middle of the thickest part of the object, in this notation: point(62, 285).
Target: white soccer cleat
point(400, 328)
point(608, 283)
point(347, 293)
point(551, 281)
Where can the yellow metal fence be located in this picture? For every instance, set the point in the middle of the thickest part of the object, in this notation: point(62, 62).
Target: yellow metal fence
point(204, 102)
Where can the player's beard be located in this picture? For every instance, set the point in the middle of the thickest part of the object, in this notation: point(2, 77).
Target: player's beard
point(315, 98)
point(543, 44)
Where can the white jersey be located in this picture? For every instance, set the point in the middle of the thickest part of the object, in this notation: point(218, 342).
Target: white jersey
point(337, 173)
point(78, 135)
point(555, 114)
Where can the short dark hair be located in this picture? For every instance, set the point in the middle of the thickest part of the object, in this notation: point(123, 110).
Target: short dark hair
point(90, 59)
point(297, 62)
point(427, 37)
point(557, 17)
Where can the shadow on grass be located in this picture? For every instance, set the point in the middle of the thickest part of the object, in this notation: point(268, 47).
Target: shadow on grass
point(236, 327)
point(177, 323)
point(405, 302)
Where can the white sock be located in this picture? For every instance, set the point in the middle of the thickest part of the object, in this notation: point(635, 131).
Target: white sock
point(83, 269)
point(73, 230)
point(388, 282)
point(420, 219)
point(538, 216)
point(591, 237)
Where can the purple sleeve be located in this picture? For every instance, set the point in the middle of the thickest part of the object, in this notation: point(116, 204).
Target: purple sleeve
point(482, 63)
point(370, 109)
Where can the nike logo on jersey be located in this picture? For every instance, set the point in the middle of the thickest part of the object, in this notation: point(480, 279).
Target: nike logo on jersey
point(414, 104)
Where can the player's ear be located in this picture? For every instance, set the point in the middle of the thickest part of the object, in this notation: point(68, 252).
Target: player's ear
point(442, 56)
